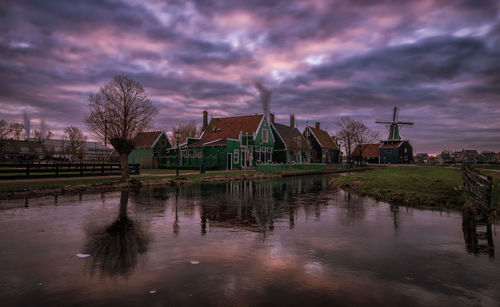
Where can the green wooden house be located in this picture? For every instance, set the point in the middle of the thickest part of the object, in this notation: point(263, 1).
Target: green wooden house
point(290, 146)
point(149, 148)
point(238, 142)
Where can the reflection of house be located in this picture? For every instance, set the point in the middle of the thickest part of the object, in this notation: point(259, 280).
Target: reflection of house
point(230, 143)
point(291, 145)
point(149, 147)
point(14, 150)
point(367, 153)
point(323, 147)
point(396, 152)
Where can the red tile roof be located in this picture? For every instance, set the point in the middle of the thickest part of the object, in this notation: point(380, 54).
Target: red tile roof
point(146, 139)
point(323, 138)
point(391, 145)
point(229, 128)
point(369, 150)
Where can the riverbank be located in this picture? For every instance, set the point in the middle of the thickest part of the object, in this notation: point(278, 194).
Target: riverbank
point(47, 186)
point(434, 187)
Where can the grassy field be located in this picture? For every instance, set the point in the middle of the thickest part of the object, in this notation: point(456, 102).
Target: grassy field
point(415, 186)
point(496, 185)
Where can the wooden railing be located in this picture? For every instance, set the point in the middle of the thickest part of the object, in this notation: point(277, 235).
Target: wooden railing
point(478, 211)
point(48, 170)
point(478, 190)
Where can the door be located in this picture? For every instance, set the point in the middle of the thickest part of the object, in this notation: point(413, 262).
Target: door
point(229, 161)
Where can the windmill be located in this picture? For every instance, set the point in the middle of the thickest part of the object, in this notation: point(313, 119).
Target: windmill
point(394, 126)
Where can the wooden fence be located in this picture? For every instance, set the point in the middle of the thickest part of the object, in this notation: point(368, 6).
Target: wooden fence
point(479, 211)
point(478, 190)
point(51, 170)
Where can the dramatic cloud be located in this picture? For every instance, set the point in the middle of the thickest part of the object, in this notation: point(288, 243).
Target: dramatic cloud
point(439, 61)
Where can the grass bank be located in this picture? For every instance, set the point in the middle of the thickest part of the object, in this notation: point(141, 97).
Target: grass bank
point(49, 186)
point(435, 187)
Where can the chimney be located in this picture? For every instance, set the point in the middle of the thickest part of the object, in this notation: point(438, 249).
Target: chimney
point(205, 121)
point(317, 125)
point(272, 117)
point(292, 121)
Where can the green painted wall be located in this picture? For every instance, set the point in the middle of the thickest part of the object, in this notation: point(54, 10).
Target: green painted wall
point(143, 156)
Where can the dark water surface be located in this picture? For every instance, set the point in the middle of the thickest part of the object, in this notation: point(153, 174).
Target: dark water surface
point(294, 242)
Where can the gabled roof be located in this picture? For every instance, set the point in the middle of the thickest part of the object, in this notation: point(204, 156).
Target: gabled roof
point(368, 150)
point(323, 138)
point(146, 139)
point(229, 128)
point(391, 145)
point(291, 137)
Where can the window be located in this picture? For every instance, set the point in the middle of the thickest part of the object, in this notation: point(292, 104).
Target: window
point(257, 153)
point(264, 135)
point(163, 143)
point(191, 153)
point(198, 154)
point(406, 150)
point(236, 156)
point(184, 155)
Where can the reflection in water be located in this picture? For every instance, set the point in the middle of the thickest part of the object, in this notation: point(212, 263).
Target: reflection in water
point(395, 213)
point(477, 241)
point(115, 248)
point(293, 242)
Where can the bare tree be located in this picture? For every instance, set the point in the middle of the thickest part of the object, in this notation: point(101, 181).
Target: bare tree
point(44, 140)
point(363, 136)
point(353, 133)
point(76, 141)
point(4, 129)
point(346, 134)
point(16, 130)
point(186, 130)
point(118, 112)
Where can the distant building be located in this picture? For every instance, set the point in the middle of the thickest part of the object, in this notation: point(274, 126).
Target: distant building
point(21, 151)
point(467, 156)
point(496, 158)
point(290, 145)
point(324, 149)
point(486, 157)
point(422, 158)
point(367, 153)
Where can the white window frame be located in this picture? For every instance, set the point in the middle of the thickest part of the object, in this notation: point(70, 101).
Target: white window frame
point(236, 156)
point(265, 136)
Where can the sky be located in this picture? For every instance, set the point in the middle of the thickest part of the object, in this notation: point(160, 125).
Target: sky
point(437, 60)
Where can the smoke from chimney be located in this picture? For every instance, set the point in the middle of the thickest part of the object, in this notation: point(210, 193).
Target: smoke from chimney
point(265, 97)
point(27, 125)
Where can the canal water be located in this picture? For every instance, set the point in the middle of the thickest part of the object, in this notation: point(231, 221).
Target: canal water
point(293, 242)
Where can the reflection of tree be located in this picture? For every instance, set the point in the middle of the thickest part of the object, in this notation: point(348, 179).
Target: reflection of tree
point(395, 214)
point(114, 249)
